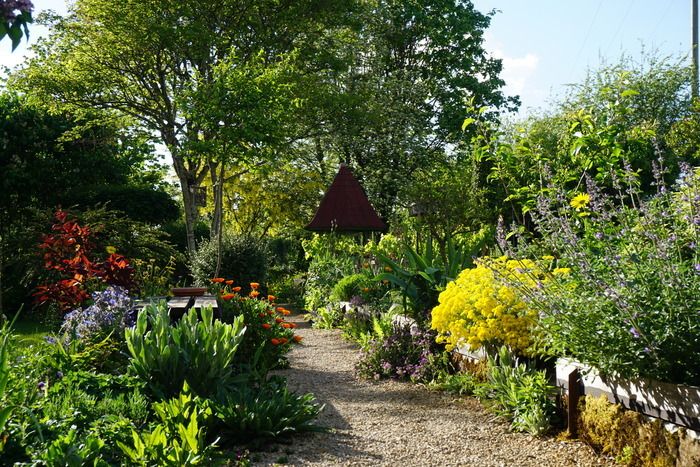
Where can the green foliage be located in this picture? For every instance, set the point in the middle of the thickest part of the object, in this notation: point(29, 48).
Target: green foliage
point(244, 259)
point(620, 119)
point(177, 440)
point(270, 411)
point(332, 258)
point(518, 393)
point(267, 336)
point(200, 353)
point(461, 384)
point(397, 104)
point(355, 285)
point(7, 409)
point(15, 18)
point(421, 276)
point(152, 278)
point(629, 303)
point(68, 450)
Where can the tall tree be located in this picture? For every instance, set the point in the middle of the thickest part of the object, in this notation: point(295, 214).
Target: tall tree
point(402, 102)
point(156, 59)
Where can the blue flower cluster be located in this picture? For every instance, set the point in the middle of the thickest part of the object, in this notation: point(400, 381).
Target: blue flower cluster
point(110, 312)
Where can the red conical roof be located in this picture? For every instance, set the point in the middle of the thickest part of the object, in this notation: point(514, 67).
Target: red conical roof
point(345, 207)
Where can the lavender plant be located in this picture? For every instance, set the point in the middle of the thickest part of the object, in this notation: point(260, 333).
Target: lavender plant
point(629, 301)
point(109, 313)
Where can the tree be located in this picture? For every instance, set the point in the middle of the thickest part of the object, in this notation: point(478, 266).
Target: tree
point(51, 160)
point(627, 116)
point(155, 60)
point(401, 102)
point(14, 17)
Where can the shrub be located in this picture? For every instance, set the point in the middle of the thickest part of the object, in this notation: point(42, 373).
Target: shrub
point(243, 258)
point(629, 304)
point(518, 393)
point(478, 310)
point(108, 314)
point(198, 352)
point(406, 353)
point(355, 285)
point(268, 336)
point(269, 411)
point(177, 439)
point(332, 258)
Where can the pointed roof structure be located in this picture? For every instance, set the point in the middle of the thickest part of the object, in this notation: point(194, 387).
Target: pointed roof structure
point(345, 208)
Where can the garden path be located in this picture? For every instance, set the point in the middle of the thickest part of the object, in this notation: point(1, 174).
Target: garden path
point(394, 423)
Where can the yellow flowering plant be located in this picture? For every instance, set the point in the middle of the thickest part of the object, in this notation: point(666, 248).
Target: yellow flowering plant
point(478, 310)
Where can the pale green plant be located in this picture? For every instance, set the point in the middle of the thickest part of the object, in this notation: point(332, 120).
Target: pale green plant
point(200, 352)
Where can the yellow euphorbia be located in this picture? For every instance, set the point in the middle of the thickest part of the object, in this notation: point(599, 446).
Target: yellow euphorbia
point(478, 310)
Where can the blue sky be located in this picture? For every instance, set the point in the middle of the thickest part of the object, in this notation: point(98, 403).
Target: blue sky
point(547, 44)
point(544, 44)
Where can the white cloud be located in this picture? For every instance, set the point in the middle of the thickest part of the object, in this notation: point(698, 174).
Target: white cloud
point(517, 70)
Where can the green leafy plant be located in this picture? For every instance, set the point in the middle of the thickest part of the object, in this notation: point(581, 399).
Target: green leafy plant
point(461, 384)
point(177, 439)
point(243, 258)
point(518, 393)
point(70, 451)
point(199, 352)
point(6, 409)
point(422, 275)
point(355, 285)
point(270, 411)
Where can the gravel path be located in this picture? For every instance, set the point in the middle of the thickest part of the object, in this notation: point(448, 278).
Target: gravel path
point(393, 423)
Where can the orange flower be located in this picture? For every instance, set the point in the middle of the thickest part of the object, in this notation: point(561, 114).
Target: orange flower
point(266, 325)
point(297, 339)
point(365, 289)
point(236, 289)
point(289, 325)
point(279, 320)
point(228, 296)
point(218, 280)
point(254, 293)
point(271, 298)
point(254, 285)
point(275, 341)
point(229, 282)
point(283, 340)
point(280, 309)
point(261, 315)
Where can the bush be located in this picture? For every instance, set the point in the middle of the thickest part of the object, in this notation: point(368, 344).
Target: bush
point(108, 315)
point(269, 411)
point(176, 439)
point(198, 352)
point(629, 303)
point(407, 353)
point(244, 259)
point(268, 337)
point(518, 393)
point(355, 285)
point(478, 310)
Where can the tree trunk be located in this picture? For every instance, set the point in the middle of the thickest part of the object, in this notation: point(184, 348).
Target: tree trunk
point(217, 183)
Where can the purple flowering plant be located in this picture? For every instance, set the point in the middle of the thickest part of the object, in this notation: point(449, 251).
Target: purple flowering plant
point(629, 302)
point(109, 313)
point(407, 353)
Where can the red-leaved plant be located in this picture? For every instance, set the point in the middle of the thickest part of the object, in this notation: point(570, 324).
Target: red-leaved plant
point(66, 256)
